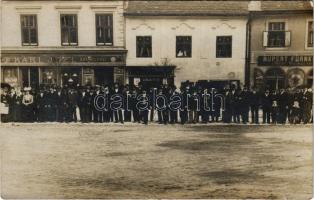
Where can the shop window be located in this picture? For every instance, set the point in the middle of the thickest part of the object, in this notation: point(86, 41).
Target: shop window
point(10, 76)
point(144, 46)
point(275, 78)
point(104, 29)
point(295, 77)
point(224, 47)
point(258, 78)
point(29, 30)
point(276, 36)
point(310, 34)
point(49, 76)
point(69, 30)
point(183, 46)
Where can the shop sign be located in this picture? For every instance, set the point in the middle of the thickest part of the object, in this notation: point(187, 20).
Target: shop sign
point(60, 59)
point(285, 61)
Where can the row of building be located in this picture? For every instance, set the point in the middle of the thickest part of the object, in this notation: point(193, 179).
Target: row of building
point(256, 43)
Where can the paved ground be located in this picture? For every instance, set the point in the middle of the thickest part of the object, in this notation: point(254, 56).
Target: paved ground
point(156, 161)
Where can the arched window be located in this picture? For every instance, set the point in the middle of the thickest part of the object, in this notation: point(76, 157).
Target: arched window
point(275, 78)
point(295, 78)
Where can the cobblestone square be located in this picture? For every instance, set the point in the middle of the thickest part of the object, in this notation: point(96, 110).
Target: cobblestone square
point(156, 161)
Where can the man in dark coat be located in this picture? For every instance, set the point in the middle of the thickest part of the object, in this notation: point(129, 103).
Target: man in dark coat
point(98, 102)
point(144, 105)
point(51, 105)
point(306, 105)
point(72, 100)
point(266, 106)
point(62, 105)
point(41, 106)
point(282, 106)
point(83, 104)
point(127, 111)
point(245, 105)
point(117, 111)
point(254, 104)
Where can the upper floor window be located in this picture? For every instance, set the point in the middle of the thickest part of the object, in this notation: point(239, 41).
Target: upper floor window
point(29, 30)
point(310, 34)
point(183, 46)
point(69, 29)
point(104, 29)
point(144, 46)
point(224, 47)
point(276, 36)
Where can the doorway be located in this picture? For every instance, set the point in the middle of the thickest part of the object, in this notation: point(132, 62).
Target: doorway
point(104, 76)
point(275, 79)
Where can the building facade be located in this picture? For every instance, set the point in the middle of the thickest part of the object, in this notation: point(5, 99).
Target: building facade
point(189, 40)
point(267, 44)
point(62, 43)
point(281, 41)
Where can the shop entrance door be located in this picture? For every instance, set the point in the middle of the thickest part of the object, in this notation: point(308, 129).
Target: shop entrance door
point(104, 76)
point(71, 76)
point(30, 77)
point(275, 79)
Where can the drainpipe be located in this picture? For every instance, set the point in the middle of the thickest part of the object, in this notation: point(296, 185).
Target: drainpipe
point(247, 70)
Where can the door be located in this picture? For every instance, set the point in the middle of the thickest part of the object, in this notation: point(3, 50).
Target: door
point(104, 76)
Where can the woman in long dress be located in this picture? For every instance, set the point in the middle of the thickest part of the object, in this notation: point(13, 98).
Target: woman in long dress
point(28, 101)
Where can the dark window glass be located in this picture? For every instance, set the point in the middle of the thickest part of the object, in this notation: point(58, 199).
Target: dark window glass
point(184, 46)
point(310, 34)
point(68, 29)
point(144, 46)
point(224, 47)
point(29, 29)
point(104, 29)
point(276, 34)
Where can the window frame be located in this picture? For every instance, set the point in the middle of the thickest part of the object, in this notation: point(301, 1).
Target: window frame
point(274, 31)
point(307, 34)
point(76, 29)
point(35, 28)
point(151, 46)
point(228, 56)
point(176, 53)
point(112, 31)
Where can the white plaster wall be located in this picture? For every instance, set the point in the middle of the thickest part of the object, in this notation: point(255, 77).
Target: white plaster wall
point(203, 65)
point(48, 17)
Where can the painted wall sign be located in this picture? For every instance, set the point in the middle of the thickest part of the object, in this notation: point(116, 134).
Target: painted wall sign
point(285, 60)
point(60, 59)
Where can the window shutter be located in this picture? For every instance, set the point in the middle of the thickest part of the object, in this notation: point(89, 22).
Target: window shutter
point(265, 38)
point(287, 39)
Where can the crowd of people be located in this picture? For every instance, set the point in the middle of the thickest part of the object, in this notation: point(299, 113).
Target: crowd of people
point(227, 105)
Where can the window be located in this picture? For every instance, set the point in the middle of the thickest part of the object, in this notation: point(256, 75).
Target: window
point(144, 46)
point(224, 47)
point(29, 30)
point(49, 76)
point(184, 46)
point(68, 29)
point(104, 29)
point(276, 34)
point(310, 34)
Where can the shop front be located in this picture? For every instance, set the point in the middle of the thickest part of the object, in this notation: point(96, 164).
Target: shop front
point(150, 77)
point(275, 72)
point(62, 68)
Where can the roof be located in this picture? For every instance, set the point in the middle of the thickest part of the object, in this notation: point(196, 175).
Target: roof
point(285, 5)
point(186, 8)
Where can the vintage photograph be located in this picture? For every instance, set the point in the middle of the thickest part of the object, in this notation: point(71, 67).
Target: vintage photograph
point(124, 99)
